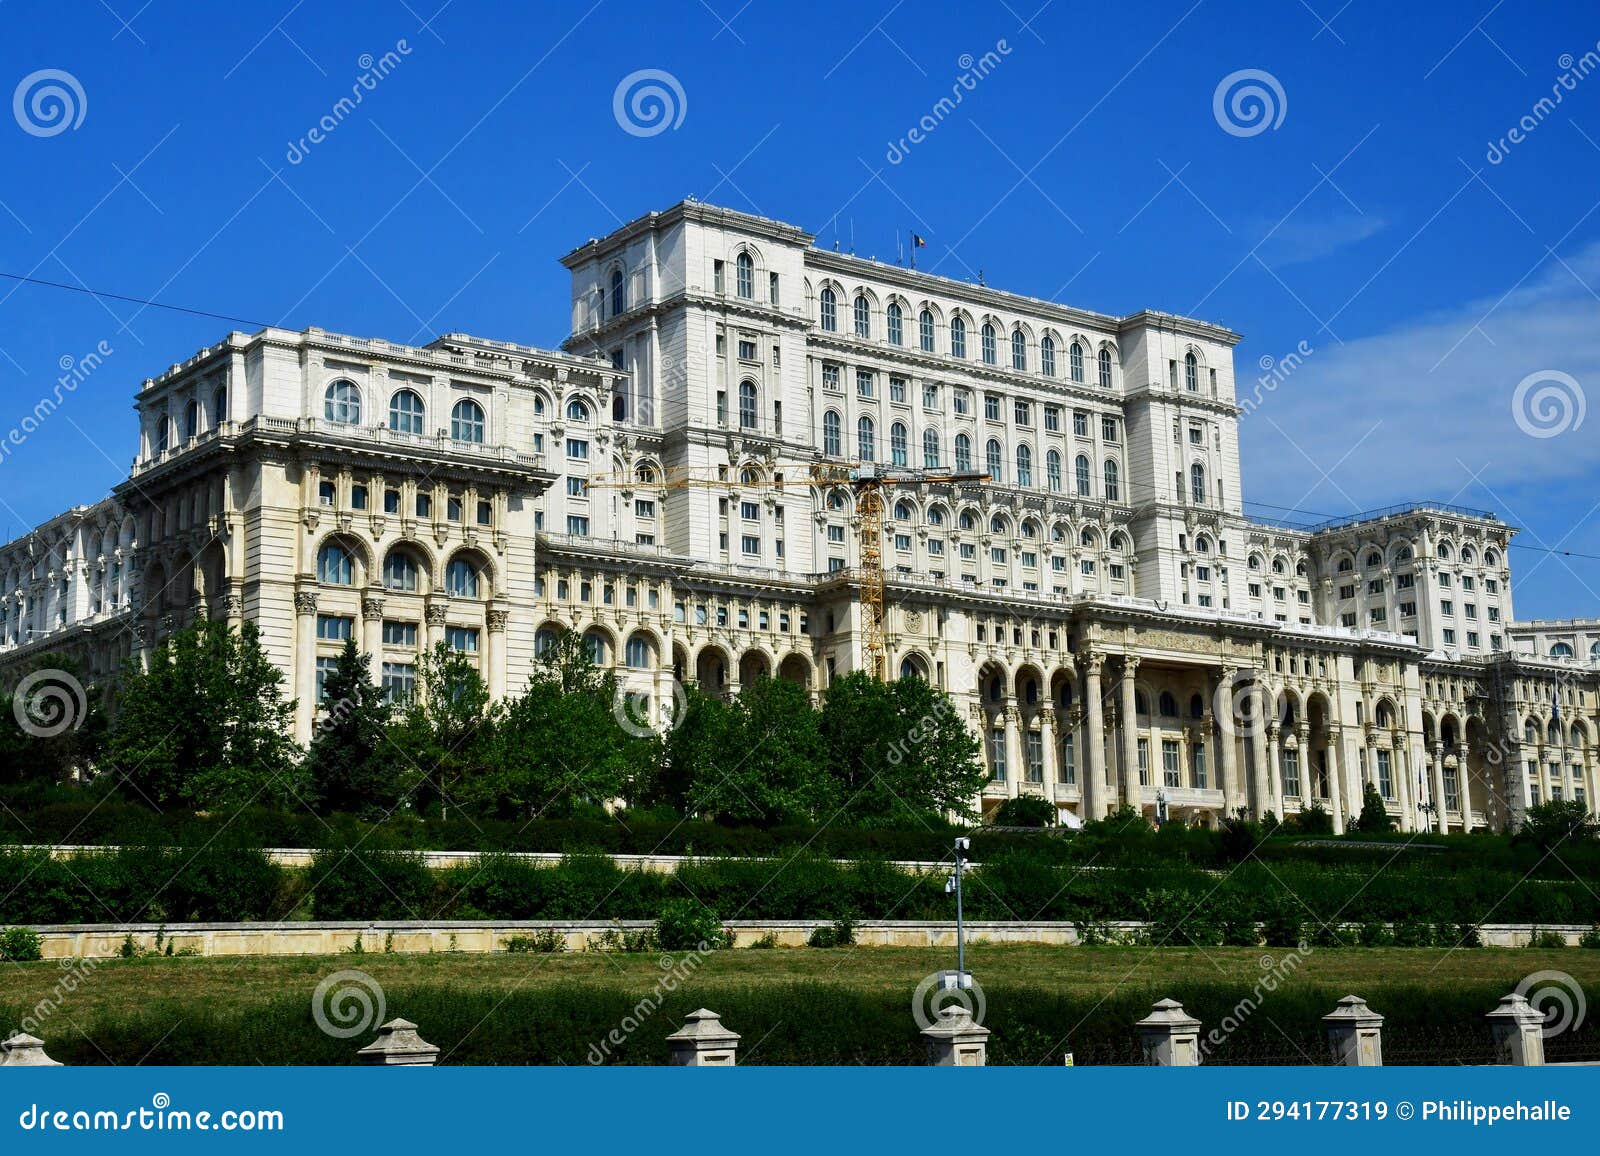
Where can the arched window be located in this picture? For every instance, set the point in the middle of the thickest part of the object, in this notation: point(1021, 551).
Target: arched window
point(466, 422)
point(1594, 652)
point(577, 410)
point(1075, 361)
point(897, 444)
point(998, 526)
point(866, 439)
point(637, 652)
point(1052, 470)
point(334, 565)
point(461, 578)
point(910, 667)
point(744, 276)
point(545, 642)
point(1552, 734)
point(828, 309)
point(896, 324)
point(963, 453)
point(831, 442)
point(925, 330)
point(1080, 469)
point(930, 449)
point(594, 644)
point(1167, 704)
point(406, 413)
point(219, 406)
point(863, 316)
point(619, 295)
point(936, 518)
point(1105, 369)
point(995, 462)
point(1197, 484)
point(400, 572)
point(1560, 650)
point(191, 420)
point(1111, 481)
point(988, 344)
point(1530, 733)
point(902, 511)
point(1047, 355)
point(1191, 373)
point(1019, 351)
point(1202, 544)
point(958, 337)
point(1024, 466)
point(342, 403)
point(747, 405)
point(163, 438)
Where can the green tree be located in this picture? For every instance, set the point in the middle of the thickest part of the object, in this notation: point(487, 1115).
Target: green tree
point(759, 761)
point(1548, 825)
point(899, 751)
point(1025, 811)
point(350, 763)
point(206, 725)
point(1374, 817)
point(560, 743)
point(56, 730)
point(444, 734)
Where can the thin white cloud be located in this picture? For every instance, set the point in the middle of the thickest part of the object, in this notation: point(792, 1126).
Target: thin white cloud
point(1304, 238)
point(1440, 391)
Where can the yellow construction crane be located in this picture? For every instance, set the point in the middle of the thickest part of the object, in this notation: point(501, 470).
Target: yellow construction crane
point(866, 480)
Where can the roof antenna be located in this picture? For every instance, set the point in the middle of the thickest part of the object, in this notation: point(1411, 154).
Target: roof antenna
point(980, 278)
point(852, 236)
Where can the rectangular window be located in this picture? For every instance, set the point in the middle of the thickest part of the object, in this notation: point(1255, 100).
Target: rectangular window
point(1169, 762)
point(400, 634)
point(750, 543)
point(1144, 762)
point(1069, 762)
point(1052, 419)
point(1108, 429)
point(962, 401)
point(1035, 745)
point(747, 350)
point(1197, 756)
point(325, 667)
point(991, 407)
point(863, 383)
point(1023, 412)
point(897, 389)
point(1385, 774)
point(461, 638)
point(930, 397)
point(334, 627)
point(1080, 424)
point(830, 377)
point(997, 755)
point(577, 525)
point(577, 449)
point(399, 682)
point(1291, 772)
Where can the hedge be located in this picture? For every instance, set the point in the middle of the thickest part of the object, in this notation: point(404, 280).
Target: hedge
point(801, 1023)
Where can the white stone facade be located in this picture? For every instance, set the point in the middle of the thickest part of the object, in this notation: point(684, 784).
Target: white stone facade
point(1090, 606)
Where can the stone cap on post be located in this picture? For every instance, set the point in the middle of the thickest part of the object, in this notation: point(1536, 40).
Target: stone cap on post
point(1355, 1034)
point(1518, 1029)
point(25, 1051)
point(956, 1040)
point(1170, 1035)
point(703, 1042)
point(398, 1045)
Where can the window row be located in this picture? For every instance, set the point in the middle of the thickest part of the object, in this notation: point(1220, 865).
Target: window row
point(342, 404)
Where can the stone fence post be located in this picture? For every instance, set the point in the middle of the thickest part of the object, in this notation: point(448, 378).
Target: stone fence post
point(398, 1045)
point(957, 1040)
point(1170, 1036)
point(25, 1051)
point(1355, 1034)
point(1518, 1031)
point(703, 1042)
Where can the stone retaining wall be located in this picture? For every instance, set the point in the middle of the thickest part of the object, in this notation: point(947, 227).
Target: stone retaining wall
point(105, 940)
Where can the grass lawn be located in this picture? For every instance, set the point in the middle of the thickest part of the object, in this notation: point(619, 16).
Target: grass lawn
point(236, 984)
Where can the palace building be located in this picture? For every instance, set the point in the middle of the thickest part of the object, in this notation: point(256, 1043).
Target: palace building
point(1116, 628)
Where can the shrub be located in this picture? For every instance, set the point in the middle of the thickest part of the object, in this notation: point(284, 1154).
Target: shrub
point(1236, 919)
point(1413, 933)
point(363, 884)
point(1314, 820)
point(1025, 811)
point(1283, 923)
point(20, 945)
point(1376, 933)
point(1590, 938)
point(1544, 940)
point(840, 933)
point(545, 941)
point(1240, 838)
point(688, 925)
point(767, 942)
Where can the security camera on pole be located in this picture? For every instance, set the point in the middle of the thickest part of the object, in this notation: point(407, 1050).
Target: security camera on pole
point(960, 977)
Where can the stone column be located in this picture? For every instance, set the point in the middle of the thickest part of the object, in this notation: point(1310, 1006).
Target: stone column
point(305, 664)
point(1169, 1036)
point(372, 632)
point(1355, 1034)
point(956, 1040)
point(1441, 820)
point(1132, 793)
point(398, 1045)
point(1518, 1029)
point(1259, 801)
point(496, 621)
point(703, 1042)
point(25, 1051)
point(435, 613)
point(1335, 787)
point(1274, 772)
point(1015, 771)
point(1227, 752)
point(1094, 771)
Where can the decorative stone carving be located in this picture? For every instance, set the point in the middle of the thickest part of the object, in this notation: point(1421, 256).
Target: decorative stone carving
point(305, 602)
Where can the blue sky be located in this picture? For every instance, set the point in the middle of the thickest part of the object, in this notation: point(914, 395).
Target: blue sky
point(1376, 220)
